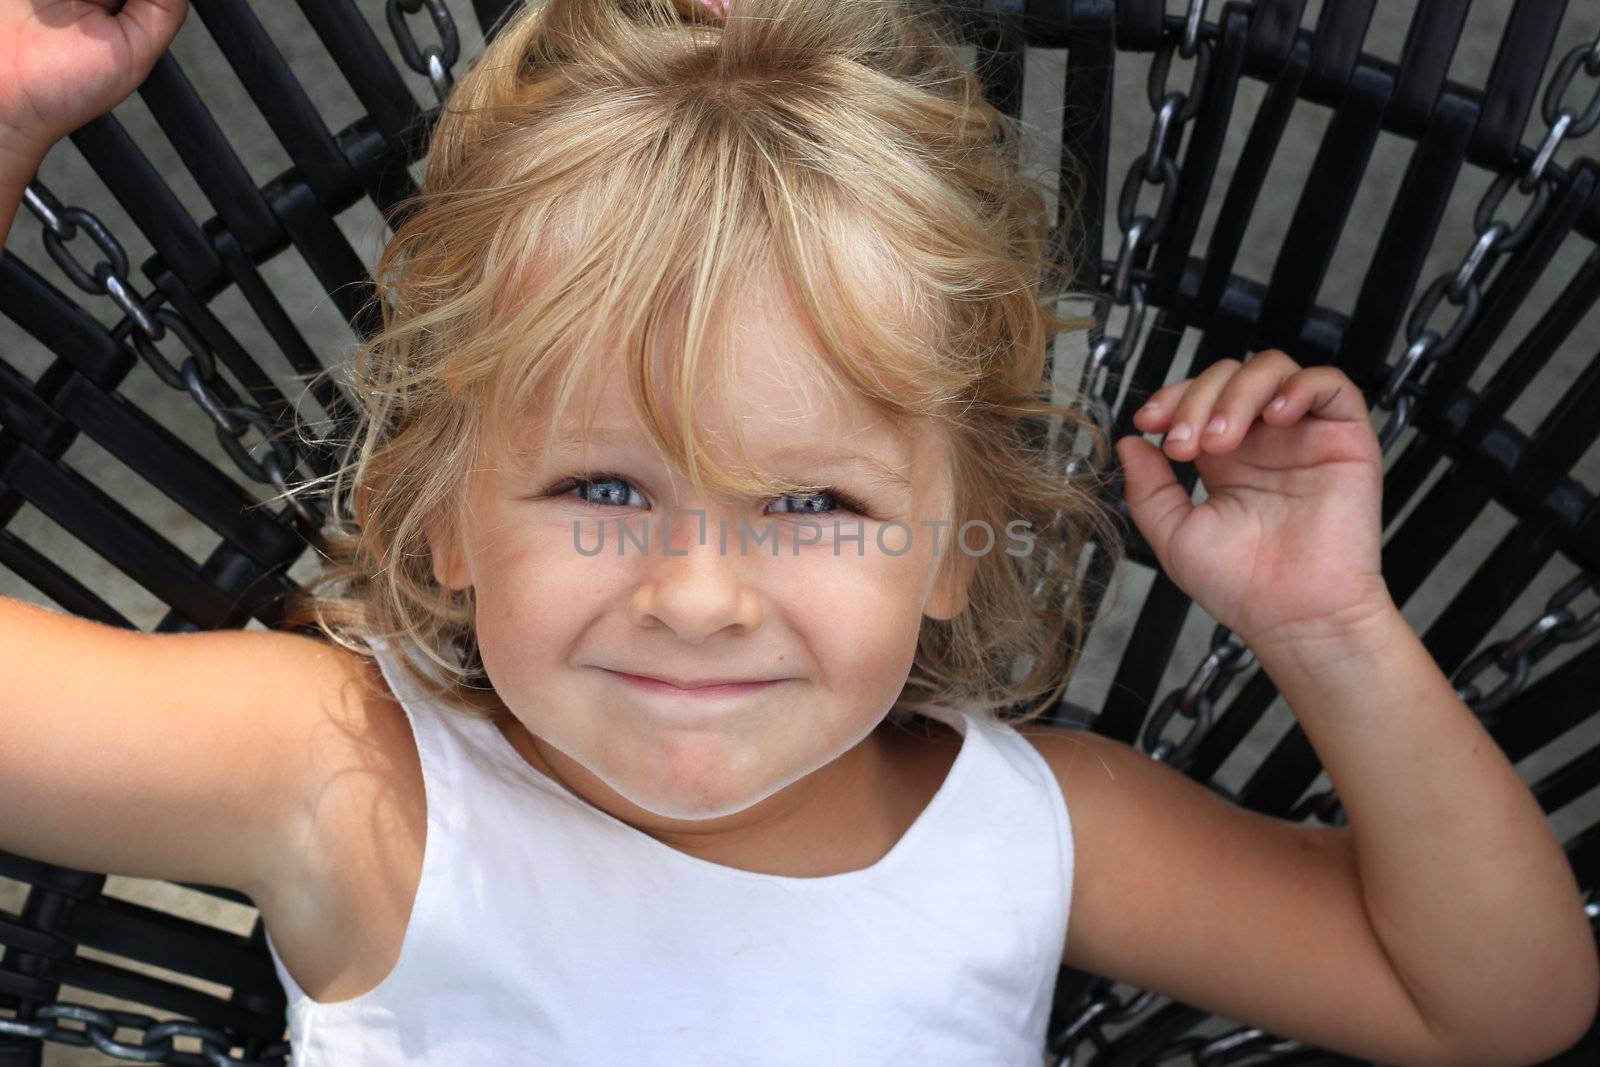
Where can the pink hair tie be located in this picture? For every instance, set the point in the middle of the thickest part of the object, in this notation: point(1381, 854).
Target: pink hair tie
point(719, 7)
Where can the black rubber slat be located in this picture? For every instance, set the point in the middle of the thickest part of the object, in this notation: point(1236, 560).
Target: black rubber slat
point(124, 928)
point(1250, 174)
point(1323, 210)
point(57, 322)
point(210, 157)
point(45, 575)
point(1516, 79)
point(125, 541)
point(1086, 132)
point(1431, 43)
point(1341, 28)
point(1139, 24)
point(282, 100)
point(365, 65)
point(1274, 24)
point(163, 459)
point(149, 202)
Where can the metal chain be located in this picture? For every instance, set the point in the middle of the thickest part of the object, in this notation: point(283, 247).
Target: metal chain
point(1103, 1007)
point(1173, 108)
point(1426, 343)
point(100, 1027)
point(1514, 656)
point(196, 375)
point(1195, 701)
point(434, 61)
point(149, 322)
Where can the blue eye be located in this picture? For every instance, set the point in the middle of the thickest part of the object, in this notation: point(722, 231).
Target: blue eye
point(610, 489)
point(834, 495)
point(613, 490)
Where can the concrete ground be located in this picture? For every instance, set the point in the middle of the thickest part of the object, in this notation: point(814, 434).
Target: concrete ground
point(75, 183)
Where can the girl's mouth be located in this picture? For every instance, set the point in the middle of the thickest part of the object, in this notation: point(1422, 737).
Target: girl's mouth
point(701, 692)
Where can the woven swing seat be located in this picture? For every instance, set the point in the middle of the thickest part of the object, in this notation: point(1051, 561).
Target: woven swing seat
point(1402, 190)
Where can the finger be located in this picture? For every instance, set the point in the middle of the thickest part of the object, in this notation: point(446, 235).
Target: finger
point(150, 26)
point(1159, 409)
point(1326, 392)
point(1243, 398)
point(1159, 406)
point(1192, 409)
point(1157, 502)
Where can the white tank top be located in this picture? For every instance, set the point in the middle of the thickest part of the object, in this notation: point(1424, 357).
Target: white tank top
point(546, 931)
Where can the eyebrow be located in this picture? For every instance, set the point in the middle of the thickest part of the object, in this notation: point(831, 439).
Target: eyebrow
point(828, 455)
point(819, 452)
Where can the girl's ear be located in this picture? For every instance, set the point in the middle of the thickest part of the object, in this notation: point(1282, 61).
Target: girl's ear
point(949, 595)
point(449, 562)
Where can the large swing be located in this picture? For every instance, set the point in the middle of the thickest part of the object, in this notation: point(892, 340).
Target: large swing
point(1439, 246)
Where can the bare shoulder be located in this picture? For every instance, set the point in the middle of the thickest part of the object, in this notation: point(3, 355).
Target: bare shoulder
point(356, 751)
point(333, 733)
point(1257, 919)
point(339, 904)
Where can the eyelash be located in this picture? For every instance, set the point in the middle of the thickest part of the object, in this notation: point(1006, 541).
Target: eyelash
point(568, 484)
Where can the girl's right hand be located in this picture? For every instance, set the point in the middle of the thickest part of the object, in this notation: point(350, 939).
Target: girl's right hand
point(64, 62)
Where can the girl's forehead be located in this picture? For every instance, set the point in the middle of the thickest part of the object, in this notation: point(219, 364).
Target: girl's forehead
point(790, 417)
point(753, 368)
point(775, 383)
point(777, 410)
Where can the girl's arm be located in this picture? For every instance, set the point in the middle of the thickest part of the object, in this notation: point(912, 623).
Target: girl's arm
point(189, 757)
point(1465, 883)
point(1443, 927)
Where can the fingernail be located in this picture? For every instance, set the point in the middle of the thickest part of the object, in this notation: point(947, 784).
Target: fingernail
point(1179, 432)
point(1217, 425)
point(1277, 405)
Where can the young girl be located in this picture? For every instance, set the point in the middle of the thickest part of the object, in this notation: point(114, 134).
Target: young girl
point(708, 511)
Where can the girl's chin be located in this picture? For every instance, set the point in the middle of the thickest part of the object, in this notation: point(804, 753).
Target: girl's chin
point(695, 806)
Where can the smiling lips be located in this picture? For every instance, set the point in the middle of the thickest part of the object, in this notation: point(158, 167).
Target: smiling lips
point(700, 688)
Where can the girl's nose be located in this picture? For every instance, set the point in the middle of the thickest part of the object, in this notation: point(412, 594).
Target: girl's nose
point(697, 590)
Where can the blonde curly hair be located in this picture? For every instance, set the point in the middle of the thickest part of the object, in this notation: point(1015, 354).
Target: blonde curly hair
point(606, 164)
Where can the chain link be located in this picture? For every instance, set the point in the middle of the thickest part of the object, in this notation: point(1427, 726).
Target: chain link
point(434, 61)
point(1196, 700)
point(1514, 656)
point(1462, 287)
point(1191, 28)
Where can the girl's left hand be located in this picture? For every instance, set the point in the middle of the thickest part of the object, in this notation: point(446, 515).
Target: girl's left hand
point(1287, 544)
